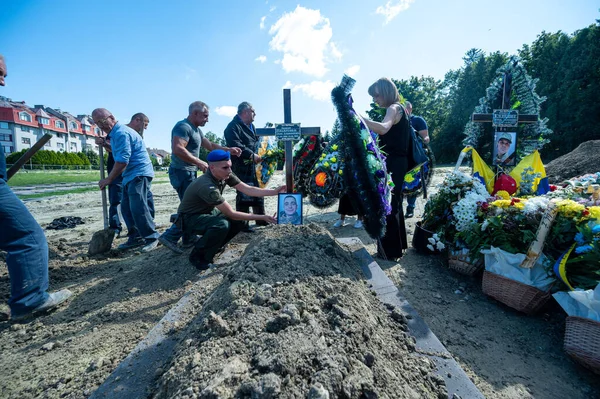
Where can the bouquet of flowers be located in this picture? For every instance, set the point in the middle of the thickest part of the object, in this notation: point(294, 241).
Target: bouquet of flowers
point(505, 223)
point(579, 266)
point(454, 208)
point(367, 175)
point(325, 183)
point(270, 155)
point(306, 153)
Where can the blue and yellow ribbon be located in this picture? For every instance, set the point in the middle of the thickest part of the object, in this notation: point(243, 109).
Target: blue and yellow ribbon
point(560, 267)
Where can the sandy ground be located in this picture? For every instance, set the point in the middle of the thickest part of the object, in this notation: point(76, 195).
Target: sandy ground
point(119, 297)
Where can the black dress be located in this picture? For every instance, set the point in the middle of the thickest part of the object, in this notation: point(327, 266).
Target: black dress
point(395, 143)
point(346, 206)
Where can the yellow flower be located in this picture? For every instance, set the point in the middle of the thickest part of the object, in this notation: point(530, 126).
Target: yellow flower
point(326, 164)
point(334, 147)
point(519, 205)
point(333, 159)
point(594, 212)
point(569, 208)
point(503, 194)
point(269, 152)
point(502, 203)
point(341, 172)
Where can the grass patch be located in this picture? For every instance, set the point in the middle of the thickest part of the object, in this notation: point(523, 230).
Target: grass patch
point(54, 193)
point(71, 191)
point(36, 178)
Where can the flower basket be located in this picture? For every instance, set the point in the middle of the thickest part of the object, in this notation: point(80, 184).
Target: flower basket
point(519, 296)
point(582, 342)
point(459, 261)
point(421, 239)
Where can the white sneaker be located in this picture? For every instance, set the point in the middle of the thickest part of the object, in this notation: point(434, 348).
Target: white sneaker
point(151, 246)
point(358, 224)
point(340, 223)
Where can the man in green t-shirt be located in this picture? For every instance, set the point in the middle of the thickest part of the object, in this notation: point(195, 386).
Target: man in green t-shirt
point(204, 211)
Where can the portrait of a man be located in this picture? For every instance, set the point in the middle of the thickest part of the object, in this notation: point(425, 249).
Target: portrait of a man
point(289, 210)
point(504, 150)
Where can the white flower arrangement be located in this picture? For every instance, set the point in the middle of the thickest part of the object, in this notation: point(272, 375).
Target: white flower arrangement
point(465, 210)
point(435, 243)
point(535, 205)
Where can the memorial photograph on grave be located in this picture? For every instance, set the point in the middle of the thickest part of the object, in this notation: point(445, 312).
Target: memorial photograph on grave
point(289, 209)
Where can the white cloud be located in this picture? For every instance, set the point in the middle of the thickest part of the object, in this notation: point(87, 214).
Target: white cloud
point(262, 22)
point(352, 71)
point(318, 89)
point(304, 38)
point(261, 59)
point(226, 110)
point(393, 8)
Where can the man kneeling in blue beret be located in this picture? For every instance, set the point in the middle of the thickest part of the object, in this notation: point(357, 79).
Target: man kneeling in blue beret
point(204, 211)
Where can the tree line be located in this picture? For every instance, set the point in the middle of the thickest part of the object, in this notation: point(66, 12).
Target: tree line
point(567, 67)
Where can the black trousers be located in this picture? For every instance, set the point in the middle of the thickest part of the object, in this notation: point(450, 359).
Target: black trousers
point(392, 244)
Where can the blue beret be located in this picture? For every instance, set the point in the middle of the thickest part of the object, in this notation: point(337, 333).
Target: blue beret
point(218, 155)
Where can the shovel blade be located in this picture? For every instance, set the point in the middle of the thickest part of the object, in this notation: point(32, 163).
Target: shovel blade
point(101, 242)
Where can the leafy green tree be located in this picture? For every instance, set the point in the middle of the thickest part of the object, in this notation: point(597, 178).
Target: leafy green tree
point(93, 158)
point(568, 69)
point(213, 138)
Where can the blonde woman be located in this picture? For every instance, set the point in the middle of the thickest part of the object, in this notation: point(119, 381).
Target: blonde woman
point(394, 139)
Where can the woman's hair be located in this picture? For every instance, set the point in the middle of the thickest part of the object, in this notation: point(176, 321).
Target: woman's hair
point(387, 91)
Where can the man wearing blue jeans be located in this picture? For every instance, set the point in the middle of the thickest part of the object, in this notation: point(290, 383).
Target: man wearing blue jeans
point(420, 126)
point(133, 163)
point(186, 140)
point(139, 122)
point(27, 250)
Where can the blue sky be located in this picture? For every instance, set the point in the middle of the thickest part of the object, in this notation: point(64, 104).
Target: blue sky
point(158, 57)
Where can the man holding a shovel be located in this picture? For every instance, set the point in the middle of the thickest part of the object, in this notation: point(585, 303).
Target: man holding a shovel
point(133, 163)
point(139, 122)
point(24, 241)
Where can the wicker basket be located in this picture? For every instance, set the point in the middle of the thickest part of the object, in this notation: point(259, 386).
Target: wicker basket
point(461, 263)
point(582, 342)
point(519, 296)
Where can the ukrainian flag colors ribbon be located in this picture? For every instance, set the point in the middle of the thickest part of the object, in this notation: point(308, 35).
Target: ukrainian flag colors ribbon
point(481, 170)
point(534, 161)
point(560, 267)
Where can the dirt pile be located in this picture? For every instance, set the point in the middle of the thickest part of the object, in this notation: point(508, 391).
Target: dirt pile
point(293, 319)
point(580, 161)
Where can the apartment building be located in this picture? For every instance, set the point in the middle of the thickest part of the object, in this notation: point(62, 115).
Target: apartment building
point(21, 126)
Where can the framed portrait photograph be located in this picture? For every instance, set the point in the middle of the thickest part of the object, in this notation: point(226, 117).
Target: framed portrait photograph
point(289, 209)
point(505, 145)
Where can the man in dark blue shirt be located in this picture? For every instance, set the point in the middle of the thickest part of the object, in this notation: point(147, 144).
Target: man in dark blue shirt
point(420, 126)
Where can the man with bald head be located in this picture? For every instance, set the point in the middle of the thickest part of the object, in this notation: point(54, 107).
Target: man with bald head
point(139, 122)
point(133, 163)
point(186, 140)
point(27, 250)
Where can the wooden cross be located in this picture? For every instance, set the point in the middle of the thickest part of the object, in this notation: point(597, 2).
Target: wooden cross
point(505, 118)
point(305, 131)
point(522, 118)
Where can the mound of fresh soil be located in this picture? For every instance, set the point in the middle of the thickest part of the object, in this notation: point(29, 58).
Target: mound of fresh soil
point(293, 319)
point(580, 161)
